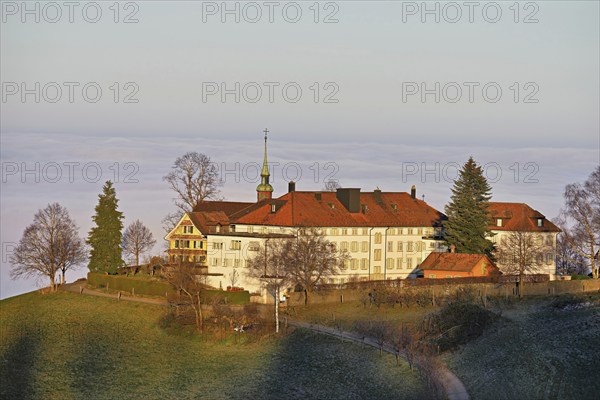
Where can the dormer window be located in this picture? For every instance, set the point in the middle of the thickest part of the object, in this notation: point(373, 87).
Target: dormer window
point(218, 228)
point(498, 221)
point(394, 206)
point(273, 208)
point(364, 208)
point(540, 222)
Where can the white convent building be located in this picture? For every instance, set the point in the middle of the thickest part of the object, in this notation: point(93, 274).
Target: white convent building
point(387, 234)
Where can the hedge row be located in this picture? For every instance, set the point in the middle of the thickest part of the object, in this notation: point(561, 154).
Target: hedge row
point(231, 297)
point(155, 288)
point(127, 284)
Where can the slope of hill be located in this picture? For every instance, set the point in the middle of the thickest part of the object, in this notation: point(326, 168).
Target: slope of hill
point(68, 346)
point(537, 352)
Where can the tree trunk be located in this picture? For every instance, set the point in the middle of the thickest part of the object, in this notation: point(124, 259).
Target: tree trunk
point(306, 297)
point(199, 315)
point(52, 285)
point(277, 310)
point(137, 262)
point(521, 284)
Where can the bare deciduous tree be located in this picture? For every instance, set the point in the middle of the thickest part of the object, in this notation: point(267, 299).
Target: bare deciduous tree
point(380, 331)
point(313, 259)
point(187, 280)
point(568, 261)
point(521, 253)
point(581, 217)
point(194, 178)
point(234, 277)
point(50, 244)
point(270, 266)
point(170, 220)
point(331, 185)
point(137, 239)
point(403, 340)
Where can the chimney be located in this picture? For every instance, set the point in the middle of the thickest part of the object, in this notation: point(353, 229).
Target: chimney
point(413, 192)
point(350, 198)
point(377, 195)
point(291, 186)
point(452, 248)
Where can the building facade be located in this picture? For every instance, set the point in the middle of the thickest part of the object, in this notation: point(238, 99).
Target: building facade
point(387, 234)
point(507, 218)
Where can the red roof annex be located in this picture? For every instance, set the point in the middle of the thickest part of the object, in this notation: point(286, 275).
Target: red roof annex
point(455, 262)
point(518, 217)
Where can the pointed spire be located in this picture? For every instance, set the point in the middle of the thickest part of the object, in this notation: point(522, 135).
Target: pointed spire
point(264, 190)
point(265, 167)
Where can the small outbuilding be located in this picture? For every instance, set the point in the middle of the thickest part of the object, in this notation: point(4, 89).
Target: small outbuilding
point(455, 265)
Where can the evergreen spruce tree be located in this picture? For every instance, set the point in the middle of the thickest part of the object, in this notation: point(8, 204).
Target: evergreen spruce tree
point(105, 238)
point(468, 218)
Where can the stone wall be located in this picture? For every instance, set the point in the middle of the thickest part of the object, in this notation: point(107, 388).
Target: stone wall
point(490, 289)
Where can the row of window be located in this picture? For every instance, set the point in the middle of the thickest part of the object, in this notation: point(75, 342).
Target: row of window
point(229, 262)
point(236, 245)
point(189, 244)
point(547, 240)
point(390, 263)
point(354, 278)
point(392, 246)
point(188, 229)
point(194, 258)
point(378, 235)
point(540, 258)
point(500, 222)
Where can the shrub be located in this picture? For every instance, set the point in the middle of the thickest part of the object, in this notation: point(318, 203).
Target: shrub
point(464, 294)
point(456, 324)
point(576, 277)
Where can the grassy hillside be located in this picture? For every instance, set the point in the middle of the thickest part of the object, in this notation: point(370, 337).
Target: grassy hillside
point(68, 346)
point(536, 352)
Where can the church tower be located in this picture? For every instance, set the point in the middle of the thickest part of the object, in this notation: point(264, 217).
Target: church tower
point(264, 190)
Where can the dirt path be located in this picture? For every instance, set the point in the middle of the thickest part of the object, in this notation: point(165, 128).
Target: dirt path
point(454, 388)
point(76, 288)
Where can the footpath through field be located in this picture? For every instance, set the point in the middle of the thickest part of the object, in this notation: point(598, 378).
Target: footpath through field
point(80, 288)
point(453, 387)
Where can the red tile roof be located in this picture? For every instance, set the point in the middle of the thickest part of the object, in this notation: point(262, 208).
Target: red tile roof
point(324, 209)
point(518, 217)
point(454, 262)
point(227, 207)
point(203, 220)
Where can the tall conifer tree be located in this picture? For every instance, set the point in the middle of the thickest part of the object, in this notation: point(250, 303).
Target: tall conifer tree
point(105, 238)
point(468, 218)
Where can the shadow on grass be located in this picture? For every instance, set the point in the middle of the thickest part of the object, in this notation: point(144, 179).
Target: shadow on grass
point(310, 365)
point(98, 363)
point(17, 367)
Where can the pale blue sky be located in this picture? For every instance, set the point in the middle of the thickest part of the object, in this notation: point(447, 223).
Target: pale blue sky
point(368, 54)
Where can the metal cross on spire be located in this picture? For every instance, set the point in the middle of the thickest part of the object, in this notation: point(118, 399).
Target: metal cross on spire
point(266, 131)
